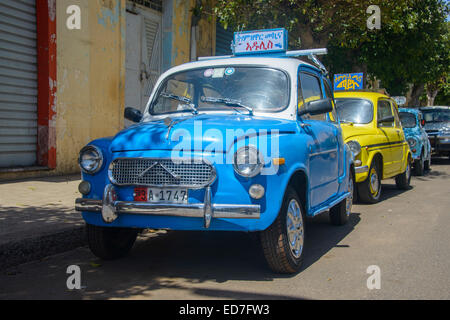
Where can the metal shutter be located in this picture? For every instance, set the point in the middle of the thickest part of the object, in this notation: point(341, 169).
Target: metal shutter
point(153, 59)
point(223, 40)
point(18, 83)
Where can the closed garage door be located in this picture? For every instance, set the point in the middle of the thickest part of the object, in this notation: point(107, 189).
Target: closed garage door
point(18, 83)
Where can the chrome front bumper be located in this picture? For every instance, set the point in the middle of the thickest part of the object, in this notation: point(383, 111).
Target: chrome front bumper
point(362, 169)
point(111, 208)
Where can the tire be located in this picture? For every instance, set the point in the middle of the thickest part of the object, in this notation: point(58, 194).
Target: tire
point(419, 166)
point(369, 191)
point(403, 180)
point(282, 253)
point(427, 165)
point(340, 213)
point(110, 243)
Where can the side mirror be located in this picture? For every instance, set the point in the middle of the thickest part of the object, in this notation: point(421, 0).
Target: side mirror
point(388, 119)
point(317, 107)
point(133, 114)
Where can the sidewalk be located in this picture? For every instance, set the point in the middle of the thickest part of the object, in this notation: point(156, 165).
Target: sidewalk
point(37, 218)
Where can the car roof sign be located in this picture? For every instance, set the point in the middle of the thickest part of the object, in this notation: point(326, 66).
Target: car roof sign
point(260, 41)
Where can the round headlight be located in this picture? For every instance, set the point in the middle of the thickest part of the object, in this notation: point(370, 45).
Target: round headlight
point(412, 142)
point(248, 162)
point(355, 147)
point(91, 159)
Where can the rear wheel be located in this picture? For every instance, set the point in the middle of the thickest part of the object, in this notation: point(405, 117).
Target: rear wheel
point(283, 242)
point(403, 180)
point(110, 243)
point(369, 191)
point(340, 213)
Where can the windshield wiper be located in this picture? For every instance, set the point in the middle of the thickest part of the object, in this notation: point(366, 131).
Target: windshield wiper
point(186, 100)
point(228, 102)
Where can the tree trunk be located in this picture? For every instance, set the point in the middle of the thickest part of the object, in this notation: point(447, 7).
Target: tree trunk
point(416, 92)
point(431, 95)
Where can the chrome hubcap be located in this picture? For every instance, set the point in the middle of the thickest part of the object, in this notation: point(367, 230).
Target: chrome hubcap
point(408, 171)
point(374, 183)
point(295, 230)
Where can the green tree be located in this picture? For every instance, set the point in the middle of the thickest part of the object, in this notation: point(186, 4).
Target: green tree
point(405, 51)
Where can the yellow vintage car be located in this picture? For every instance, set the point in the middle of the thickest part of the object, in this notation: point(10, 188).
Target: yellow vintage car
point(372, 129)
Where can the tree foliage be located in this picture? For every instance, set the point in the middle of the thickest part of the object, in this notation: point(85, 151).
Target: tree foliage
point(412, 46)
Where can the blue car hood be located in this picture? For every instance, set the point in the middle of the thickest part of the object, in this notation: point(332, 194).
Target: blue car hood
point(151, 135)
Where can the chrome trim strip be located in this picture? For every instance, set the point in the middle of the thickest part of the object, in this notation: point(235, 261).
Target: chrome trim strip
point(207, 210)
point(322, 152)
point(361, 169)
point(194, 160)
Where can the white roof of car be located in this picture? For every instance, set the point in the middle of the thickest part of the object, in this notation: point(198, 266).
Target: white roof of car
point(276, 62)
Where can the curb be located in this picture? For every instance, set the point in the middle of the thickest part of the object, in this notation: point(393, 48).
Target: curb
point(31, 249)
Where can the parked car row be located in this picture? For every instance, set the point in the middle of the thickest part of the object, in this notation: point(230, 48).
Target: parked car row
point(244, 143)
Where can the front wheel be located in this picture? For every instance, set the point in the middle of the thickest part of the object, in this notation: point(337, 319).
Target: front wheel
point(419, 166)
point(403, 180)
point(110, 243)
point(283, 242)
point(369, 191)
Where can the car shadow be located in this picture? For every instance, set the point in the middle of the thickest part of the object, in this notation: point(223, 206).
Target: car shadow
point(433, 173)
point(192, 262)
point(322, 236)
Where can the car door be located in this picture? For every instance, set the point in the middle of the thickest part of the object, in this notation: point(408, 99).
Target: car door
point(323, 150)
point(399, 148)
point(388, 131)
point(333, 118)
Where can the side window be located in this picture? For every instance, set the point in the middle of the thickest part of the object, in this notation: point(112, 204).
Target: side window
point(396, 115)
point(311, 90)
point(384, 110)
point(329, 94)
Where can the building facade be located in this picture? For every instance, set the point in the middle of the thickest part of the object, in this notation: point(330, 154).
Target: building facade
point(68, 68)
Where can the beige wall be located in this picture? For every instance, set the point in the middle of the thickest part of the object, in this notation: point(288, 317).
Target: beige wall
point(91, 73)
point(91, 77)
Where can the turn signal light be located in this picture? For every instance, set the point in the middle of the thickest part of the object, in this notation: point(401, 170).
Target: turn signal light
point(278, 161)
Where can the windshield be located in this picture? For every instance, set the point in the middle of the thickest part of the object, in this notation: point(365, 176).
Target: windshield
point(354, 110)
point(223, 88)
point(436, 115)
point(407, 119)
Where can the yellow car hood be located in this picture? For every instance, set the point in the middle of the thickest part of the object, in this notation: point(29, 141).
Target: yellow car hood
point(353, 131)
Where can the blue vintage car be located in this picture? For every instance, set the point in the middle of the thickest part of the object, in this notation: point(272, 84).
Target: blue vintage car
point(412, 123)
point(437, 126)
point(240, 143)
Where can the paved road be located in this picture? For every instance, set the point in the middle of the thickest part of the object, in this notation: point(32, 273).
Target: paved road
point(407, 235)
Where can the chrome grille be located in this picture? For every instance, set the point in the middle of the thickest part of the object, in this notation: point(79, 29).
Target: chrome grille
point(192, 174)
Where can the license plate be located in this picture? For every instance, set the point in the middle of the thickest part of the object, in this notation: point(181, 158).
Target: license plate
point(158, 195)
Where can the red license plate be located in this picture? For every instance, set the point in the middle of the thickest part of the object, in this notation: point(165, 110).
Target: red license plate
point(140, 194)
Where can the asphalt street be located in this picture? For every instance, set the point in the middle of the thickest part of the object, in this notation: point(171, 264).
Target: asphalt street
point(406, 235)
